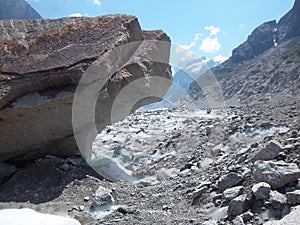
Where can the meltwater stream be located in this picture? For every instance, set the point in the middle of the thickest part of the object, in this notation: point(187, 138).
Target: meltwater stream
point(144, 138)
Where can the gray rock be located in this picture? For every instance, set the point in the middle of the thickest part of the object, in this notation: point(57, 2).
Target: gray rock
point(6, 171)
point(277, 199)
point(261, 190)
point(247, 216)
point(231, 193)
point(277, 174)
point(293, 197)
point(229, 181)
point(238, 221)
point(102, 197)
point(290, 219)
point(197, 193)
point(271, 151)
point(238, 205)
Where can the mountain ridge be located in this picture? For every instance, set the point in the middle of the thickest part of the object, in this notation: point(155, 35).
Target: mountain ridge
point(17, 9)
point(264, 66)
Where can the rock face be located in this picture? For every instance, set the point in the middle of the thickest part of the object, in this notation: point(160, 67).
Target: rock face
point(17, 9)
point(41, 64)
point(261, 39)
point(269, 34)
point(263, 68)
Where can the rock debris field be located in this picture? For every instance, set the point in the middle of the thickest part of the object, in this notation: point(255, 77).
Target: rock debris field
point(238, 165)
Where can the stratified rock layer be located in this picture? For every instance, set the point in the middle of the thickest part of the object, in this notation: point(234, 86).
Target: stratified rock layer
point(41, 63)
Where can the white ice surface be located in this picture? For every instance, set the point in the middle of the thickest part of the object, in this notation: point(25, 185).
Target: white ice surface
point(31, 217)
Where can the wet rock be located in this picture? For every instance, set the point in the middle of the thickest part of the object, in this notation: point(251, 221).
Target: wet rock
point(290, 219)
point(238, 205)
point(277, 199)
point(277, 174)
point(293, 197)
point(271, 151)
point(6, 171)
point(261, 190)
point(231, 193)
point(102, 197)
point(229, 181)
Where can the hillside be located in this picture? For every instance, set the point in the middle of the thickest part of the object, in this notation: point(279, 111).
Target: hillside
point(264, 67)
point(17, 9)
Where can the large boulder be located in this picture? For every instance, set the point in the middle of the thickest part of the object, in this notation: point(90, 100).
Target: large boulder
point(290, 219)
point(41, 63)
point(277, 174)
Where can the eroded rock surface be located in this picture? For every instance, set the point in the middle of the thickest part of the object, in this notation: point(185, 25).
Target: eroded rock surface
point(41, 63)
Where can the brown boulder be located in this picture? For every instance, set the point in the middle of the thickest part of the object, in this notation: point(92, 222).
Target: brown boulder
point(41, 63)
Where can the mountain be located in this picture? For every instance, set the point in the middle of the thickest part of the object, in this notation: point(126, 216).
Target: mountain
point(17, 9)
point(191, 70)
point(265, 67)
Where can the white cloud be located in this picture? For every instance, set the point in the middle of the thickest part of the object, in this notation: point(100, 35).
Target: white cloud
point(96, 2)
point(220, 58)
point(191, 45)
point(210, 45)
point(213, 30)
point(76, 15)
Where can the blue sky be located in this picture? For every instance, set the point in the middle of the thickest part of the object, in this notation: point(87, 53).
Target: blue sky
point(211, 28)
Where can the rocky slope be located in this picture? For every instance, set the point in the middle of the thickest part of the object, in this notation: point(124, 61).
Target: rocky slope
point(41, 63)
point(17, 9)
point(232, 165)
point(265, 66)
point(238, 165)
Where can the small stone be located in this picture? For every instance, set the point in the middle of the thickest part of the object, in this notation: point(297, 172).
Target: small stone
point(271, 151)
point(77, 182)
point(247, 216)
point(216, 198)
point(75, 207)
point(294, 134)
point(231, 193)
point(277, 174)
point(238, 205)
point(293, 197)
point(238, 221)
point(102, 197)
point(197, 193)
point(125, 210)
point(261, 190)
point(229, 181)
point(168, 206)
point(81, 208)
point(277, 199)
point(86, 199)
